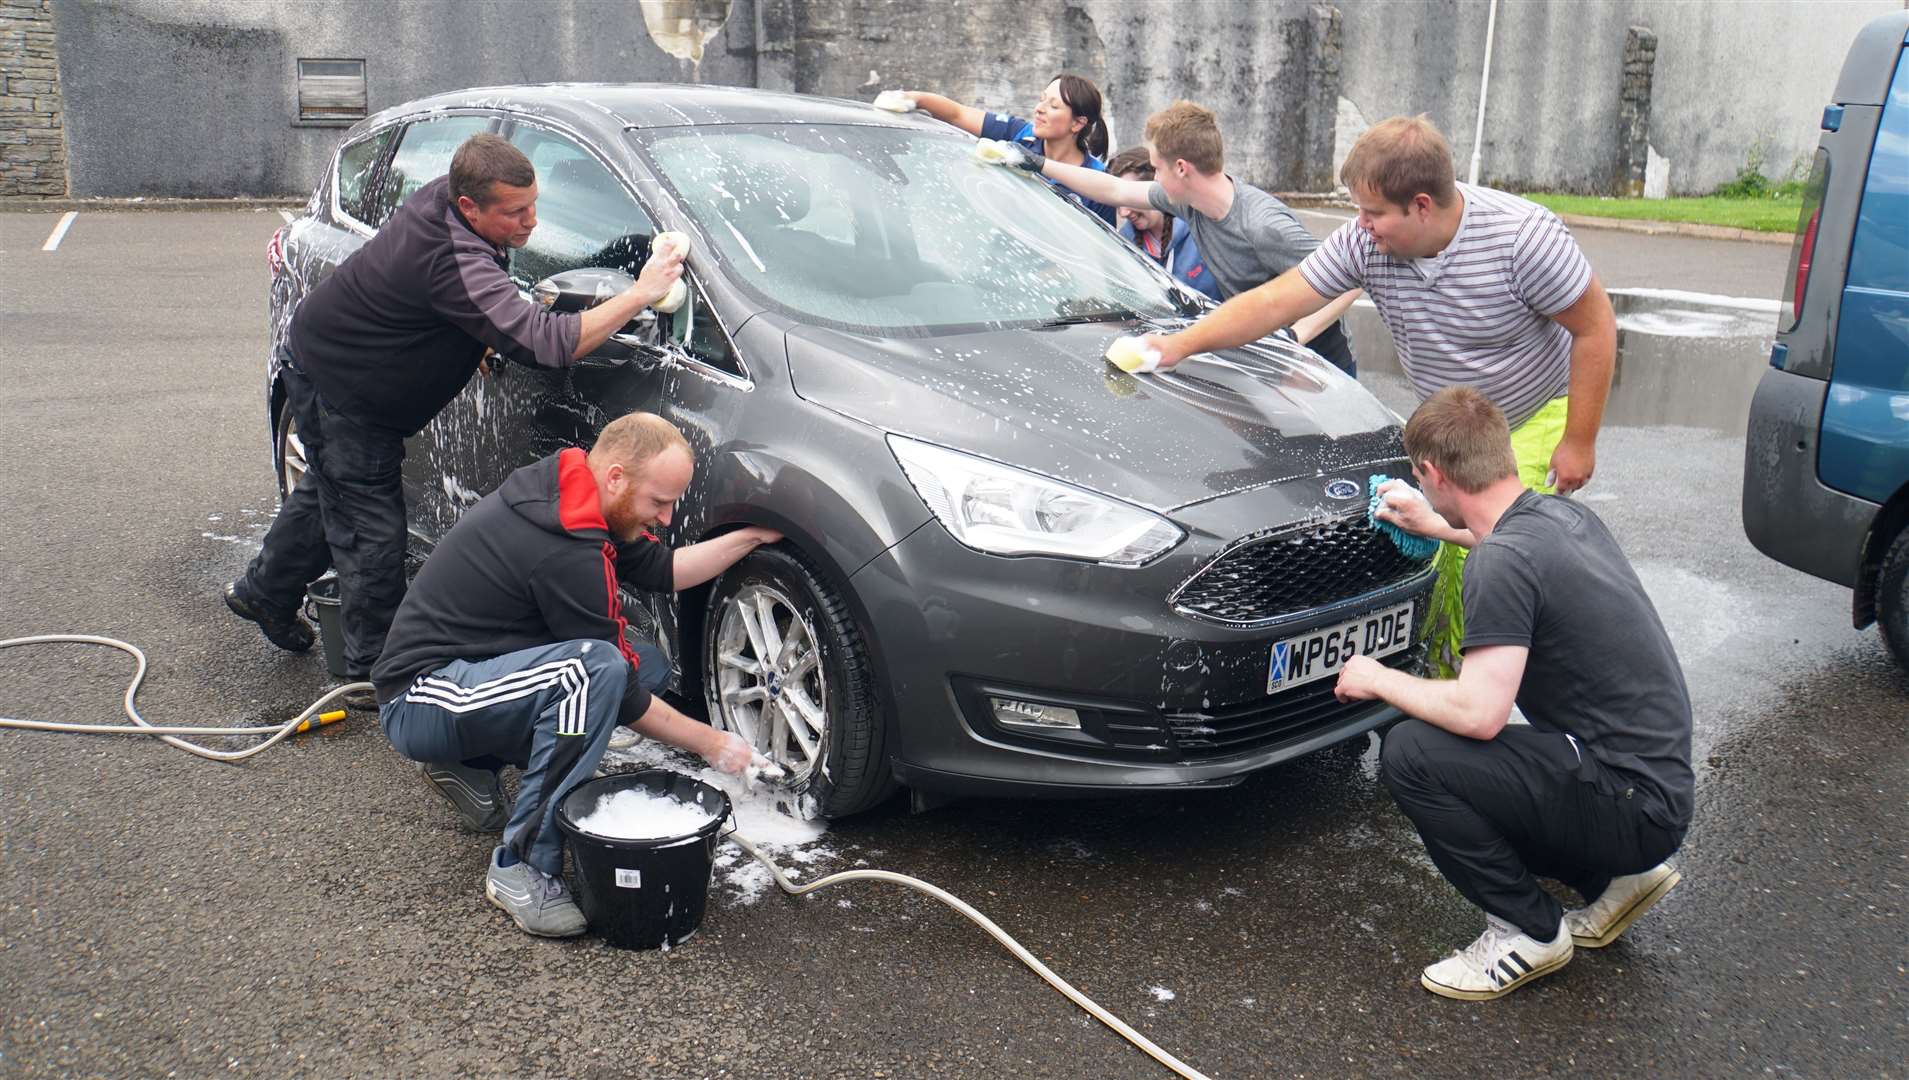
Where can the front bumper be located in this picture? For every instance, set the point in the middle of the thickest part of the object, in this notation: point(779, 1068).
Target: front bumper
point(1166, 701)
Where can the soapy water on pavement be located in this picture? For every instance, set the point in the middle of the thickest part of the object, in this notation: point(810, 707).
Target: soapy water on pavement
point(785, 827)
point(640, 814)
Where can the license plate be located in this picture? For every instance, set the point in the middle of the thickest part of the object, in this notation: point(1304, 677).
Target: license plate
point(1323, 652)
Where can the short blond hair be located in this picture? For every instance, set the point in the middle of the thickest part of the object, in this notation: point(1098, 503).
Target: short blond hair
point(1187, 132)
point(1459, 430)
point(634, 439)
point(1400, 158)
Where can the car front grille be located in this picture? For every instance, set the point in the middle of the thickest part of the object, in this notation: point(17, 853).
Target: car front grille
point(1291, 572)
point(1285, 717)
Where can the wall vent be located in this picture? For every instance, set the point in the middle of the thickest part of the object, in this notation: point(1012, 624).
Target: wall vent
point(331, 91)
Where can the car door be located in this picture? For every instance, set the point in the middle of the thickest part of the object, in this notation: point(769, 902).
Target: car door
point(516, 414)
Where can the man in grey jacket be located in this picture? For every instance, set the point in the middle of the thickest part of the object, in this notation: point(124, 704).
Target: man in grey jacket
point(372, 354)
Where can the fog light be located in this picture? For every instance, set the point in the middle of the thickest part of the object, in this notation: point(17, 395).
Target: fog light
point(1029, 714)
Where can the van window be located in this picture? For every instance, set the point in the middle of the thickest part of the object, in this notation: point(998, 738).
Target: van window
point(584, 216)
point(424, 154)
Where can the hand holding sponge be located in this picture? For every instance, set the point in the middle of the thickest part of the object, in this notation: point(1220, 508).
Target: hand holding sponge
point(1133, 355)
point(678, 292)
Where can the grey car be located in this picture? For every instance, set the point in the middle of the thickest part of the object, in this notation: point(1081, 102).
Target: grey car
point(1010, 569)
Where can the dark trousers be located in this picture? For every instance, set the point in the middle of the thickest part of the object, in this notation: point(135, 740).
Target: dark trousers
point(1496, 815)
point(547, 710)
point(347, 512)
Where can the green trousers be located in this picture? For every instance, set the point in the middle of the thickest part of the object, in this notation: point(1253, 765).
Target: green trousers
point(1532, 444)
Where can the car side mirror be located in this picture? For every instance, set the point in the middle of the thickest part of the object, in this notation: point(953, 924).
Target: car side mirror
point(578, 290)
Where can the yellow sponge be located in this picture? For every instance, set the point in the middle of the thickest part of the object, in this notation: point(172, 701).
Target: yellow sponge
point(1133, 355)
point(993, 152)
point(678, 292)
point(894, 101)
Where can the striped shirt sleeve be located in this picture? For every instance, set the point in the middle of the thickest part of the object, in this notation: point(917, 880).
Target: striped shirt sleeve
point(1548, 270)
point(1337, 266)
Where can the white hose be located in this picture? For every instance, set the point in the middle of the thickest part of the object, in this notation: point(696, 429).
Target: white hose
point(1153, 1050)
point(302, 722)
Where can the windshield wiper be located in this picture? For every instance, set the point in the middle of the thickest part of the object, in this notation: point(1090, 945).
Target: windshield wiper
point(1114, 315)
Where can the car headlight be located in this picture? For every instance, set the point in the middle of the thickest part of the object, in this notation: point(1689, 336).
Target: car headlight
point(1007, 511)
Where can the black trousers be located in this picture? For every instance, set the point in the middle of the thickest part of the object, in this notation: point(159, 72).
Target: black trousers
point(347, 512)
point(1497, 815)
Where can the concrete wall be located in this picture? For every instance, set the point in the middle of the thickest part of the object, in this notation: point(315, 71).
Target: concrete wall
point(197, 97)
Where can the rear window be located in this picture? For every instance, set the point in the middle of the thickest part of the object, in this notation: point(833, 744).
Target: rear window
point(357, 168)
point(1803, 249)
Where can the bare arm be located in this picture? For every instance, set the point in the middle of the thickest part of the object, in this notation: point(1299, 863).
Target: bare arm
point(948, 111)
point(724, 750)
point(697, 563)
point(1476, 704)
point(1247, 317)
point(1099, 186)
point(1310, 327)
point(1593, 326)
point(613, 314)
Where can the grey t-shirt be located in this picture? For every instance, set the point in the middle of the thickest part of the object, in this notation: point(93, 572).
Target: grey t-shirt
point(1258, 240)
point(1551, 577)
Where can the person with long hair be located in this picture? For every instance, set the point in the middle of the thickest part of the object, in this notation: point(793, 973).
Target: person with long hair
point(1066, 127)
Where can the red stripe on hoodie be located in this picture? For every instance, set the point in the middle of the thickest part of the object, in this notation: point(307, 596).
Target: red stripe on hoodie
point(579, 508)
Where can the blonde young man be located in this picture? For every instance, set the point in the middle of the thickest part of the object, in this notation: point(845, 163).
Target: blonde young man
point(1479, 288)
point(1246, 236)
point(1597, 790)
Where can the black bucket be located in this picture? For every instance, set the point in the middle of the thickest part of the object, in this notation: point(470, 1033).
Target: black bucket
point(324, 607)
point(643, 894)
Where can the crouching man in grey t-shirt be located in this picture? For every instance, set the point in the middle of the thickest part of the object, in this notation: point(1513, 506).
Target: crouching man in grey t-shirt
point(1596, 792)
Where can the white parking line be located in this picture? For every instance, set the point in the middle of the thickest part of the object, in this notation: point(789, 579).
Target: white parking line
point(59, 231)
point(287, 215)
point(1336, 215)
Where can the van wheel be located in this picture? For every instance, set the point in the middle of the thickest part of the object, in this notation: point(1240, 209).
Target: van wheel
point(784, 667)
point(291, 453)
point(1892, 598)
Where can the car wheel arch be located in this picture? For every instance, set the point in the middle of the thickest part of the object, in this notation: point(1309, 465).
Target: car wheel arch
point(1890, 521)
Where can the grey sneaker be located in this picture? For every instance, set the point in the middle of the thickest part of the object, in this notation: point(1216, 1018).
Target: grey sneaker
point(539, 903)
point(1599, 922)
point(478, 794)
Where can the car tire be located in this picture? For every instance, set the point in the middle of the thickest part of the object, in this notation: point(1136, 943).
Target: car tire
point(1892, 598)
point(289, 455)
point(822, 674)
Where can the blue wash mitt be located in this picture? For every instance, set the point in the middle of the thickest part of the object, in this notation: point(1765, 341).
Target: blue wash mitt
point(1415, 547)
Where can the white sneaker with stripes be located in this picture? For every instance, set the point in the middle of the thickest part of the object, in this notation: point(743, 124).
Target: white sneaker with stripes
point(1598, 923)
point(1501, 960)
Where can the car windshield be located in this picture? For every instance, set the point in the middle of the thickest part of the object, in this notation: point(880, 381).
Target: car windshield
point(895, 231)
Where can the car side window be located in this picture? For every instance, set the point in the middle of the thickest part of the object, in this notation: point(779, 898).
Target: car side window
point(424, 154)
point(357, 168)
point(585, 217)
point(695, 330)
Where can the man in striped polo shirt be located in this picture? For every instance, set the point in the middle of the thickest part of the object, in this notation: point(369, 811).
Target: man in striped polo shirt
point(1479, 288)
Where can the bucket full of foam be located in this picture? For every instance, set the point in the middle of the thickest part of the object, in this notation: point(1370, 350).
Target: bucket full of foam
point(643, 845)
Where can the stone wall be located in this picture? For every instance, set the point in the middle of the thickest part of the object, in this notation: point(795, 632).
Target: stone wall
point(197, 97)
point(32, 141)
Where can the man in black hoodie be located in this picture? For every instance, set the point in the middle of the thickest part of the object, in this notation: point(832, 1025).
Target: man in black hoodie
point(374, 352)
point(509, 648)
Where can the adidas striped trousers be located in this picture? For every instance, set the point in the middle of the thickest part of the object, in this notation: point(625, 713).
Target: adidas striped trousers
point(547, 710)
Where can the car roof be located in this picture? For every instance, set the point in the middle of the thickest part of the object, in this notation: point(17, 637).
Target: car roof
point(654, 105)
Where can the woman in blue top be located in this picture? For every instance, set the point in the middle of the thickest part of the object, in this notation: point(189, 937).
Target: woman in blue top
point(1066, 127)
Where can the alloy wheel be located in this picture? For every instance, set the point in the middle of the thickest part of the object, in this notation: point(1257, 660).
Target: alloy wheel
point(771, 689)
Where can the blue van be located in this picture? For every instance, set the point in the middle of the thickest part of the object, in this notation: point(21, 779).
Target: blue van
point(1826, 459)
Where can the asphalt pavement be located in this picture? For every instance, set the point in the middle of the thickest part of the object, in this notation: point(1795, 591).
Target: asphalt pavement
point(315, 912)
